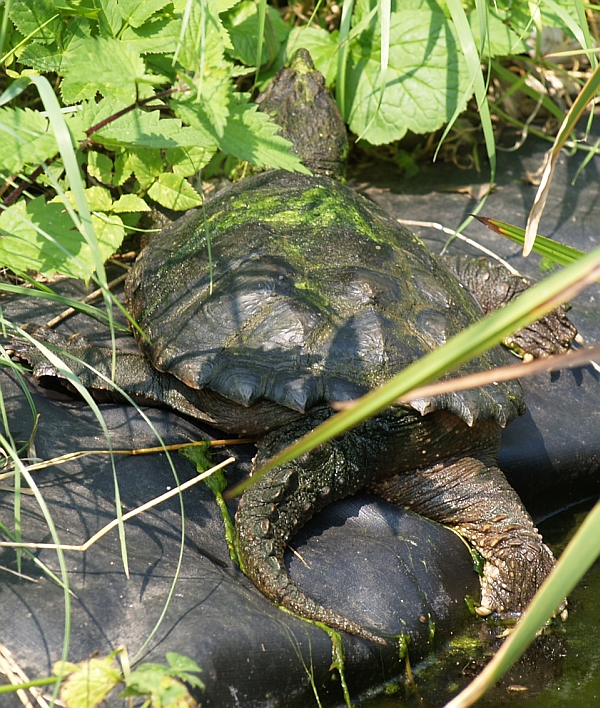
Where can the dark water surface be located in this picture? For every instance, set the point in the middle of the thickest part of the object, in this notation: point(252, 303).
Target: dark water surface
point(560, 671)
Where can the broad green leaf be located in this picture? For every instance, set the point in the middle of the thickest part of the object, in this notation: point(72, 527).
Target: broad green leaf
point(242, 25)
point(40, 236)
point(179, 663)
point(164, 690)
point(502, 41)
point(98, 198)
point(136, 12)
point(426, 76)
point(25, 138)
point(100, 166)
point(223, 5)
point(129, 203)
point(110, 231)
point(108, 66)
point(252, 135)
point(174, 192)
point(188, 161)
point(123, 168)
point(323, 47)
point(30, 15)
point(89, 682)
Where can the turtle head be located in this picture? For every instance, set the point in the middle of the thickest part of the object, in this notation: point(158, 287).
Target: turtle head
point(298, 100)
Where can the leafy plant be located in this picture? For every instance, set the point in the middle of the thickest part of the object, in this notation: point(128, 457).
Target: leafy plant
point(133, 142)
point(88, 683)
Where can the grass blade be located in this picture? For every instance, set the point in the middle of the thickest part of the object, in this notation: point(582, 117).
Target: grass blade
point(587, 93)
point(558, 252)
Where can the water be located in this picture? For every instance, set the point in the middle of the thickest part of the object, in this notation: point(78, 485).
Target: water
point(559, 671)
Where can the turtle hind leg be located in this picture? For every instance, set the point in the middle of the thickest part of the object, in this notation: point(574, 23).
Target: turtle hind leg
point(466, 490)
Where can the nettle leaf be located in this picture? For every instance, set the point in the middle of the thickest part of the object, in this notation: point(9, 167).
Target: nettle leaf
point(30, 15)
point(252, 135)
point(426, 77)
point(110, 232)
point(223, 5)
point(50, 57)
point(109, 18)
point(26, 139)
point(242, 25)
point(147, 129)
point(24, 246)
point(157, 35)
point(136, 12)
point(174, 192)
point(108, 66)
point(100, 166)
point(203, 55)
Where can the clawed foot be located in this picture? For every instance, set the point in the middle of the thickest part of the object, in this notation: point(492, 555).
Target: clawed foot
point(512, 574)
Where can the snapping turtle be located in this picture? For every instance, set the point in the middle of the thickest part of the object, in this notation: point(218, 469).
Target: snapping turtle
point(313, 294)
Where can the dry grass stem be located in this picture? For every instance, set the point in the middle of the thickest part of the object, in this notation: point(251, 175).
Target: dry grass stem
point(135, 512)
point(462, 237)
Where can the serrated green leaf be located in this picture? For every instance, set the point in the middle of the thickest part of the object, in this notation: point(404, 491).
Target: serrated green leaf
point(136, 12)
point(100, 166)
point(44, 57)
point(223, 5)
point(89, 682)
point(26, 139)
point(426, 76)
point(242, 25)
point(188, 161)
point(50, 57)
point(24, 246)
point(174, 192)
point(251, 135)
point(159, 34)
point(129, 203)
point(109, 18)
point(30, 15)
point(104, 65)
point(147, 165)
point(146, 129)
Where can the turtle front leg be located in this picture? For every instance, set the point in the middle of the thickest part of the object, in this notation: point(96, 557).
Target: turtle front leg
point(493, 286)
point(282, 501)
point(469, 493)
